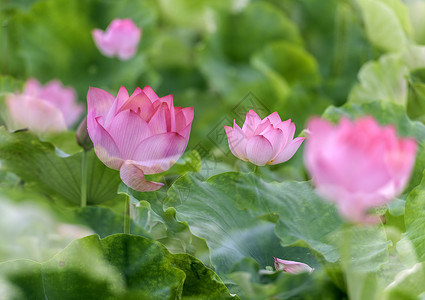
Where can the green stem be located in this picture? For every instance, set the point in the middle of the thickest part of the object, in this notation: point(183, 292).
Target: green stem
point(127, 217)
point(255, 169)
point(84, 179)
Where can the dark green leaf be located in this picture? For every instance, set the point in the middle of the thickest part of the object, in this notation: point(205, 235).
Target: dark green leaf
point(117, 267)
point(38, 164)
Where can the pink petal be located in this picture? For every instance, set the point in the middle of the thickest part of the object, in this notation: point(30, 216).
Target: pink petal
point(237, 141)
point(133, 176)
point(102, 45)
point(160, 119)
point(292, 267)
point(251, 122)
point(122, 97)
point(185, 132)
point(274, 118)
point(35, 114)
point(184, 117)
point(136, 91)
point(159, 152)
point(98, 104)
point(276, 138)
point(32, 87)
point(171, 116)
point(166, 99)
point(259, 150)
point(265, 125)
point(141, 104)
point(64, 98)
point(150, 93)
point(105, 147)
point(126, 53)
point(354, 211)
point(288, 151)
point(128, 129)
point(121, 38)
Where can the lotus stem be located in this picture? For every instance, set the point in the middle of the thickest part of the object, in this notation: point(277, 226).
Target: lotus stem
point(84, 179)
point(127, 217)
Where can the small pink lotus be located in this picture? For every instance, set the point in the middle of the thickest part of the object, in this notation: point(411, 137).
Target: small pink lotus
point(120, 39)
point(358, 165)
point(138, 135)
point(268, 141)
point(292, 267)
point(49, 108)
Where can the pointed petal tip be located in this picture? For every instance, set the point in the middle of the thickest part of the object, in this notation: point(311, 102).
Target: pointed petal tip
point(133, 176)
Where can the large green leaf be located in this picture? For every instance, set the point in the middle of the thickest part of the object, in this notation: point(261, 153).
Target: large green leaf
point(29, 230)
point(387, 78)
point(382, 80)
point(104, 221)
point(415, 219)
point(40, 166)
point(163, 225)
point(304, 218)
point(236, 213)
point(288, 60)
point(416, 100)
point(407, 285)
point(117, 267)
point(285, 286)
point(383, 26)
point(254, 27)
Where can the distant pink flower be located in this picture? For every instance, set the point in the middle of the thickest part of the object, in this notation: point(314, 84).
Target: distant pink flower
point(120, 39)
point(138, 135)
point(268, 141)
point(292, 267)
point(64, 98)
point(358, 165)
point(48, 108)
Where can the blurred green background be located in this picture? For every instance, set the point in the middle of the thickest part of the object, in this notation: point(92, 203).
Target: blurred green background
point(296, 57)
point(223, 57)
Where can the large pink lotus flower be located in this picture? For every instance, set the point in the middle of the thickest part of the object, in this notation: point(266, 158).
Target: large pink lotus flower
point(358, 165)
point(138, 135)
point(120, 39)
point(292, 267)
point(49, 108)
point(268, 141)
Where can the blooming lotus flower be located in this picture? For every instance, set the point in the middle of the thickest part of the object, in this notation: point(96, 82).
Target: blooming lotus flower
point(292, 267)
point(138, 135)
point(268, 141)
point(121, 39)
point(358, 165)
point(48, 108)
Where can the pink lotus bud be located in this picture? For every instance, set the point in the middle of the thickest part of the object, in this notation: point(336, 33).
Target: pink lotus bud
point(358, 165)
point(268, 141)
point(120, 39)
point(138, 135)
point(48, 108)
point(82, 136)
point(292, 267)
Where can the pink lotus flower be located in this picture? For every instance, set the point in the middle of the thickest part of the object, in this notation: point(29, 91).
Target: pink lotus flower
point(138, 135)
point(358, 165)
point(121, 39)
point(48, 108)
point(292, 267)
point(268, 141)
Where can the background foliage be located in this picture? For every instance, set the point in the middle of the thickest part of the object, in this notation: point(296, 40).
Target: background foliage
point(214, 228)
